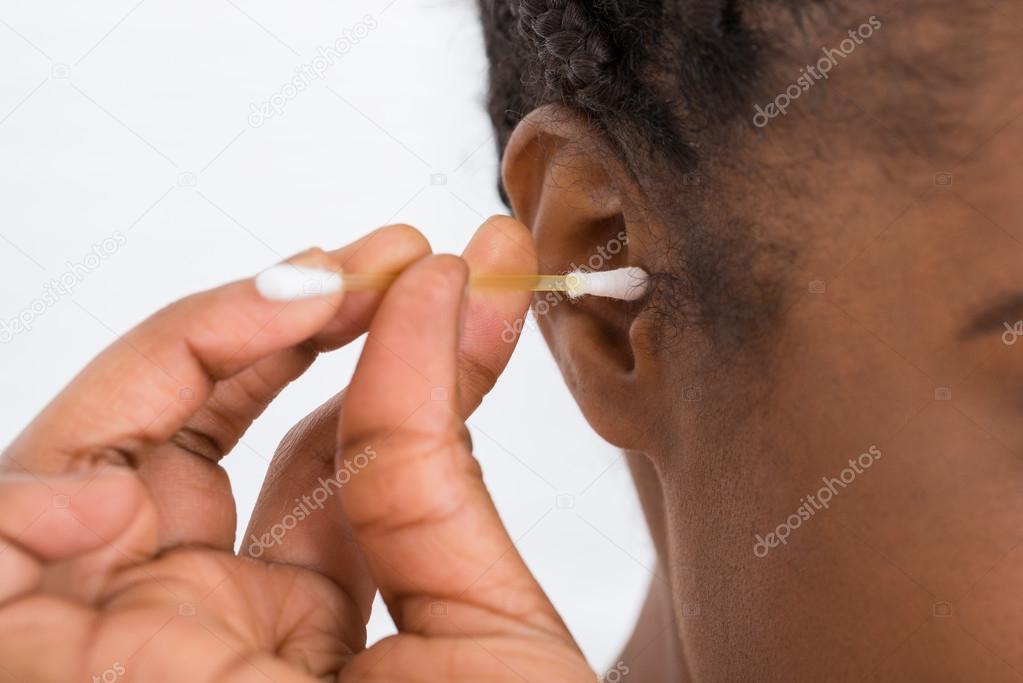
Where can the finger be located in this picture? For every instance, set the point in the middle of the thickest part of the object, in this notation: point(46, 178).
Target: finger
point(140, 390)
point(321, 540)
point(305, 458)
point(298, 518)
point(418, 505)
point(144, 387)
point(193, 493)
point(44, 520)
point(493, 318)
point(388, 250)
point(190, 489)
point(239, 400)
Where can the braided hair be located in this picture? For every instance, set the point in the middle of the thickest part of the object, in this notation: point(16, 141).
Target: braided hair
point(581, 60)
point(665, 82)
point(622, 63)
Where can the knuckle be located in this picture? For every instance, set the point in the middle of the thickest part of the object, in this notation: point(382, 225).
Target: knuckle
point(120, 455)
point(405, 441)
point(201, 443)
point(425, 508)
point(417, 479)
point(475, 377)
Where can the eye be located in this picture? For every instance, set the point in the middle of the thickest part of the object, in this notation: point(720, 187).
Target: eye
point(1013, 333)
point(1004, 316)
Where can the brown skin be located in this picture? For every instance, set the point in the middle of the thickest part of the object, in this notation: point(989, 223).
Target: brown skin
point(919, 278)
point(117, 524)
point(912, 573)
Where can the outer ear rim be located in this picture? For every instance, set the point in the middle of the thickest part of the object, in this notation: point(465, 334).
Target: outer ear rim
point(548, 126)
point(532, 148)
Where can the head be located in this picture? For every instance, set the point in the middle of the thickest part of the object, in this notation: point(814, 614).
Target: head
point(827, 194)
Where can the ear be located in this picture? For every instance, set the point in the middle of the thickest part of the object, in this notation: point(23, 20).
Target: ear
point(565, 182)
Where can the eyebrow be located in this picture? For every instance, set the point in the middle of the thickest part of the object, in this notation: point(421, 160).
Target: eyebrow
point(1006, 310)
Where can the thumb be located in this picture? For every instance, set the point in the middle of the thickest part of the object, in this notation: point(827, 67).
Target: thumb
point(433, 540)
point(51, 519)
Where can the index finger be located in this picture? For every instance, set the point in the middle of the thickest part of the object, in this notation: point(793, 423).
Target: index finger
point(306, 456)
point(142, 388)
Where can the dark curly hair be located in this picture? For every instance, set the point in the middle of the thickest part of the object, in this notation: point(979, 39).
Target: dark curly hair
point(671, 86)
point(663, 80)
point(615, 61)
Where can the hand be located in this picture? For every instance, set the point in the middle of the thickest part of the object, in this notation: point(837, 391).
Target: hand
point(127, 574)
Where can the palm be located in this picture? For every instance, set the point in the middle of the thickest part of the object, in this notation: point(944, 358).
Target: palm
point(200, 615)
point(205, 615)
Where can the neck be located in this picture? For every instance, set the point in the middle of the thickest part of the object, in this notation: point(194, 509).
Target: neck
point(654, 652)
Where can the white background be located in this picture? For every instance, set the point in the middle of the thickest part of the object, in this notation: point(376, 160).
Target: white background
point(133, 117)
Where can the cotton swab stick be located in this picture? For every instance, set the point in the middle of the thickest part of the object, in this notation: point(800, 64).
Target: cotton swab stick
point(285, 282)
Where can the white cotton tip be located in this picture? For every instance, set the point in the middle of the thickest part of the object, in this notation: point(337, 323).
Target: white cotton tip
point(625, 284)
point(285, 282)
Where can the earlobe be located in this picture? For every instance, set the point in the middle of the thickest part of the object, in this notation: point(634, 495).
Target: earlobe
point(567, 185)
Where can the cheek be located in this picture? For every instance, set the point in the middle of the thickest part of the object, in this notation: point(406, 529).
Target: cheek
point(924, 521)
point(838, 384)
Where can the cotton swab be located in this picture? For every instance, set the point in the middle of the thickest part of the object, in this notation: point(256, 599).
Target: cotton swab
point(285, 282)
point(624, 284)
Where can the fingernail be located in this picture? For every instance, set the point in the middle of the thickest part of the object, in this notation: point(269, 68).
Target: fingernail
point(287, 282)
